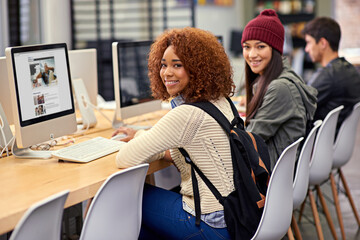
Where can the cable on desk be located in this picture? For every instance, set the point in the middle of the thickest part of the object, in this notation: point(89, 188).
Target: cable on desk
point(6, 147)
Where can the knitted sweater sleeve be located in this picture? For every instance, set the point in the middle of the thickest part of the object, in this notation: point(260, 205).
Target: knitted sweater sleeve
point(170, 132)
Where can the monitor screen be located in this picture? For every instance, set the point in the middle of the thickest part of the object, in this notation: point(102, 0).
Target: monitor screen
point(235, 43)
point(41, 92)
point(131, 83)
point(220, 39)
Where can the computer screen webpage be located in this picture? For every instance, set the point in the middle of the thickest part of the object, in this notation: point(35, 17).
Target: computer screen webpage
point(133, 71)
point(42, 85)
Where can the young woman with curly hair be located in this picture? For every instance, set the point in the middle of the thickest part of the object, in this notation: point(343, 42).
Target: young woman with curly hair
point(277, 99)
point(188, 65)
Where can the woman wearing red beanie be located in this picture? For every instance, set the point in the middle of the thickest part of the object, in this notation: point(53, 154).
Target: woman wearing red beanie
point(277, 99)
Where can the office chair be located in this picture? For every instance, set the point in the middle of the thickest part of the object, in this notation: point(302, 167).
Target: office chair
point(279, 197)
point(42, 221)
point(343, 149)
point(320, 168)
point(301, 180)
point(115, 211)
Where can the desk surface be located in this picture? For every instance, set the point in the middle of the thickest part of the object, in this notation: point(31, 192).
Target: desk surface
point(24, 182)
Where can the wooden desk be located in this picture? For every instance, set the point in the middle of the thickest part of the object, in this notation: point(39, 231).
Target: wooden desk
point(24, 182)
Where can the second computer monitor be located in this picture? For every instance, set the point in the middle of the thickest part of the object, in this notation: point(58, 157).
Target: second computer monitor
point(5, 91)
point(83, 64)
point(131, 83)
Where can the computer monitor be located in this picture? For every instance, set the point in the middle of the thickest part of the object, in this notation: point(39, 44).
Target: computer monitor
point(131, 83)
point(235, 43)
point(220, 39)
point(83, 64)
point(41, 96)
point(5, 91)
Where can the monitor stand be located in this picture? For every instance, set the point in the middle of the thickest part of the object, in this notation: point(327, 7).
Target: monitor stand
point(28, 153)
point(116, 123)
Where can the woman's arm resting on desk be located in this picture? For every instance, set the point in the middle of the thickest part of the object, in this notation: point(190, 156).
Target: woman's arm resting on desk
point(166, 134)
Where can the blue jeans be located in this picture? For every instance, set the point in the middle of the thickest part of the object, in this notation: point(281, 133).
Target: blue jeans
point(164, 218)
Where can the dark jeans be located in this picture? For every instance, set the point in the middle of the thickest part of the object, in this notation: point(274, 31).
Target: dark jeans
point(164, 218)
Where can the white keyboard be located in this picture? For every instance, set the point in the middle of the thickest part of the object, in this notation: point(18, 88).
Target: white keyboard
point(88, 150)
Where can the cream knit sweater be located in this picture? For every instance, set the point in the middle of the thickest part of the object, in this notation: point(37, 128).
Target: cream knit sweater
point(200, 135)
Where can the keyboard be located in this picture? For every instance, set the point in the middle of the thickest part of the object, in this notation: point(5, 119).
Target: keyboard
point(88, 150)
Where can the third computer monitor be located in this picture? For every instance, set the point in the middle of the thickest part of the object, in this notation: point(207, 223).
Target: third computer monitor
point(131, 83)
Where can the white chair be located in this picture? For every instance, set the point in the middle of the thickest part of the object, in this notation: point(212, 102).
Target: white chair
point(115, 211)
point(301, 180)
point(42, 221)
point(320, 168)
point(276, 218)
point(343, 149)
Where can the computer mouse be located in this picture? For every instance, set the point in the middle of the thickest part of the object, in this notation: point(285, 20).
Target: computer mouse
point(119, 136)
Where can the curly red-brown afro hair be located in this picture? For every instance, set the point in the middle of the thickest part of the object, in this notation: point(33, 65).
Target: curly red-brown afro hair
point(203, 58)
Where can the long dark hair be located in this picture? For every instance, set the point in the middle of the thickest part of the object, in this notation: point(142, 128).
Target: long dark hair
point(271, 72)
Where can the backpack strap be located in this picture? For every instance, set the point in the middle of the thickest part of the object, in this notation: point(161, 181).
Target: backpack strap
point(212, 188)
point(260, 203)
point(214, 112)
point(227, 126)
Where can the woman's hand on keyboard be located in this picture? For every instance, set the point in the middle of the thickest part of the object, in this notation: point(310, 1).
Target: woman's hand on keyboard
point(129, 132)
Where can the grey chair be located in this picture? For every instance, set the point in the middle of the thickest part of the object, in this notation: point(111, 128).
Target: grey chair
point(320, 168)
point(276, 218)
point(115, 211)
point(301, 180)
point(42, 221)
point(343, 150)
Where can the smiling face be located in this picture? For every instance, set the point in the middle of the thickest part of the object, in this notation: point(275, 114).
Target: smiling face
point(173, 73)
point(257, 55)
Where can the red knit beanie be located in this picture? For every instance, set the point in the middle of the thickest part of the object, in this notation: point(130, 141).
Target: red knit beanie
point(267, 28)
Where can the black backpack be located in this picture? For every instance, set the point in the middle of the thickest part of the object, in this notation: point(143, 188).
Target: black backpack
point(244, 206)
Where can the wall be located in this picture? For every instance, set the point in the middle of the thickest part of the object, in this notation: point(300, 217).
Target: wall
point(347, 15)
point(56, 21)
point(324, 8)
point(4, 37)
point(220, 20)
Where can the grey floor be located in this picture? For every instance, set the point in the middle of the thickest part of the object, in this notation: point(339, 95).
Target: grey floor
point(352, 231)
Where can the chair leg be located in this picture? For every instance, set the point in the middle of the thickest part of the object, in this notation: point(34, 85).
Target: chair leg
point(290, 234)
point(87, 207)
point(347, 189)
point(327, 213)
point(296, 228)
point(337, 205)
point(301, 210)
point(316, 215)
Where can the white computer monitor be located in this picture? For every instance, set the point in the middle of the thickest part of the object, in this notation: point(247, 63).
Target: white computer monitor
point(5, 91)
point(41, 96)
point(83, 64)
point(131, 83)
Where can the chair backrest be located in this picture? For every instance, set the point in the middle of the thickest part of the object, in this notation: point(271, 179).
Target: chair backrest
point(115, 211)
point(345, 140)
point(301, 180)
point(42, 221)
point(322, 158)
point(278, 208)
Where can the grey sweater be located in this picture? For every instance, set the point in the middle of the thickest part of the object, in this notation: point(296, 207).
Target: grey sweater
point(281, 118)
